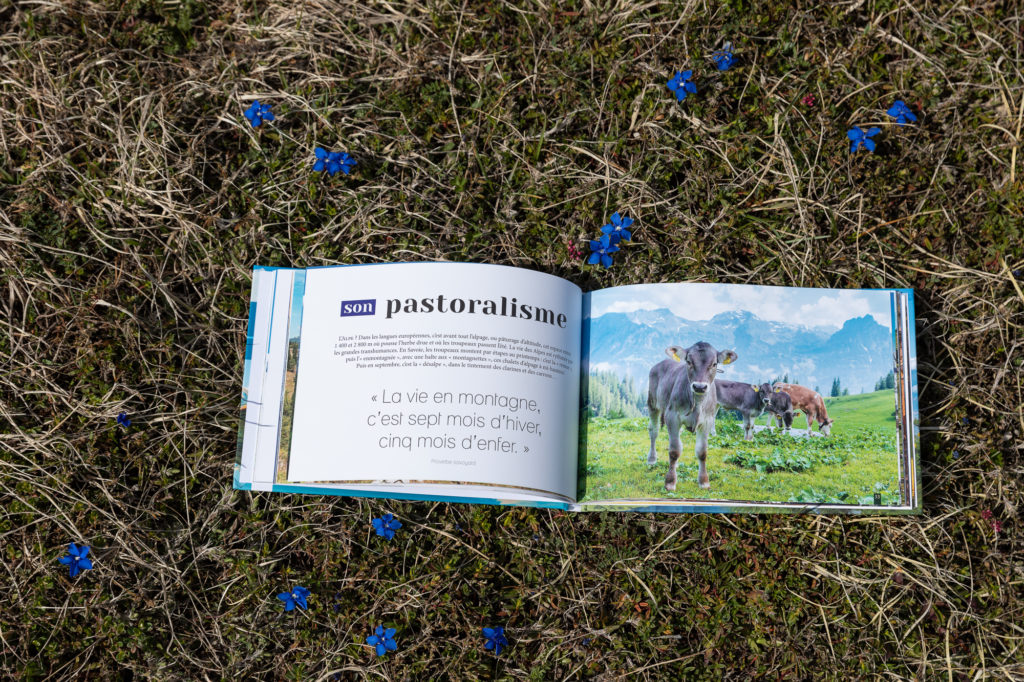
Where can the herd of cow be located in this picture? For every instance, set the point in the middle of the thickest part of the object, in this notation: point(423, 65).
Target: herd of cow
point(683, 392)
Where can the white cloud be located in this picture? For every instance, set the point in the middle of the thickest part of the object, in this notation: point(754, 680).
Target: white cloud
point(803, 367)
point(791, 305)
point(833, 310)
point(630, 306)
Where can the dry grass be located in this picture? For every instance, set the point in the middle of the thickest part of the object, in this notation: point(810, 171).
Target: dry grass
point(134, 200)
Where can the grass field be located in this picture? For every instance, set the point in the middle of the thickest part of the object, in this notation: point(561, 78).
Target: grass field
point(135, 199)
point(872, 410)
point(853, 464)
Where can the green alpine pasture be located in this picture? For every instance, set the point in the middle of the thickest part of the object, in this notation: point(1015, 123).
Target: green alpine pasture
point(875, 410)
point(135, 199)
point(853, 464)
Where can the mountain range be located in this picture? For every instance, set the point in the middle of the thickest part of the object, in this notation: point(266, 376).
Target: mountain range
point(858, 354)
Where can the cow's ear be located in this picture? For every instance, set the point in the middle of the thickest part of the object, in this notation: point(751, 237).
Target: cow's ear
point(727, 357)
point(674, 351)
point(754, 386)
point(778, 390)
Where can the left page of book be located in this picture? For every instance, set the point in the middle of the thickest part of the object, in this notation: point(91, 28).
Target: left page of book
point(419, 381)
point(259, 429)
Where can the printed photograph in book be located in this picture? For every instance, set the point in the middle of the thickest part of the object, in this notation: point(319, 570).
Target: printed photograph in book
point(743, 393)
point(290, 377)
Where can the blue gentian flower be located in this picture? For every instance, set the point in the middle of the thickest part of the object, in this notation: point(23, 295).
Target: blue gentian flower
point(681, 84)
point(76, 560)
point(901, 112)
point(862, 138)
point(602, 251)
point(297, 597)
point(495, 639)
point(386, 526)
point(122, 420)
point(617, 229)
point(258, 113)
point(382, 640)
point(724, 58)
point(332, 162)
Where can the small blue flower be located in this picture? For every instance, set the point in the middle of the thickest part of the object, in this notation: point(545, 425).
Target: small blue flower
point(901, 112)
point(602, 251)
point(382, 640)
point(681, 84)
point(862, 138)
point(386, 526)
point(123, 421)
point(297, 597)
point(617, 229)
point(76, 560)
point(724, 58)
point(495, 639)
point(258, 113)
point(333, 162)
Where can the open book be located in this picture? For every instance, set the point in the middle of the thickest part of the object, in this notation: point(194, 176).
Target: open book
point(490, 384)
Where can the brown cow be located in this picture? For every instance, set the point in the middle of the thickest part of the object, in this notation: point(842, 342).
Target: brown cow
point(811, 403)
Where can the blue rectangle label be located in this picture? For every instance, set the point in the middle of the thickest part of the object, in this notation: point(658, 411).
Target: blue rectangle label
point(366, 306)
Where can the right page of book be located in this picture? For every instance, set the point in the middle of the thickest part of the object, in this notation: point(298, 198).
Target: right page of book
point(743, 398)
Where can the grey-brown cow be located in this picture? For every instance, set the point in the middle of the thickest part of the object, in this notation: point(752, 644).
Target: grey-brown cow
point(749, 400)
point(780, 406)
point(682, 393)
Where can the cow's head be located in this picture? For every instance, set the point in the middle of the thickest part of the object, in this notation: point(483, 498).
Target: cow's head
point(702, 362)
point(764, 392)
point(826, 427)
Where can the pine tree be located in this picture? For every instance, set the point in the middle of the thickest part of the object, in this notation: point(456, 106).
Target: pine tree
point(886, 382)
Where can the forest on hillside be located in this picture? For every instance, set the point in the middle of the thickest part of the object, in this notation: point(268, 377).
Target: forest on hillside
point(613, 397)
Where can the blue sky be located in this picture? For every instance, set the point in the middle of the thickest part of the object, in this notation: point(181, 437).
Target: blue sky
point(792, 305)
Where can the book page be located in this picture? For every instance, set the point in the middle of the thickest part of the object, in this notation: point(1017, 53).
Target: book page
point(265, 354)
point(783, 399)
point(422, 375)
